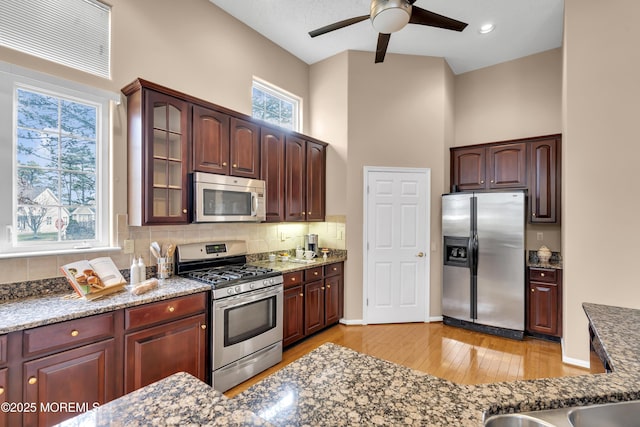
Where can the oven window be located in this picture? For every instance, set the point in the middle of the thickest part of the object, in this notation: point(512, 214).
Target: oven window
point(249, 320)
point(224, 202)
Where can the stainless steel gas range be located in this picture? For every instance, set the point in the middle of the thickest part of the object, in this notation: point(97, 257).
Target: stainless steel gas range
point(246, 315)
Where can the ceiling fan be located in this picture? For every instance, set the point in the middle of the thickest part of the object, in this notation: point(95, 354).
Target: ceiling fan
point(389, 16)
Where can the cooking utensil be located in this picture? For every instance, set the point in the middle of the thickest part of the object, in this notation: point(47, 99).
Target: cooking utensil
point(155, 249)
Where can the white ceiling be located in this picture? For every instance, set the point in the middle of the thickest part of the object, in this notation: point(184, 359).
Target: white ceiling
point(523, 27)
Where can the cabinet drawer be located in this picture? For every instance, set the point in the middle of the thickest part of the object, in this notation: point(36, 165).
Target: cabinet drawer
point(312, 274)
point(542, 275)
point(164, 311)
point(67, 334)
point(3, 350)
point(333, 269)
point(292, 279)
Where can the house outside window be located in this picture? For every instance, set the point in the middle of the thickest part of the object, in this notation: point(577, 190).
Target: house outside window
point(276, 106)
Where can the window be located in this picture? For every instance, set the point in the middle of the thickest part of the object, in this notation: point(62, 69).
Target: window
point(75, 33)
point(56, 136)
point(274, 105)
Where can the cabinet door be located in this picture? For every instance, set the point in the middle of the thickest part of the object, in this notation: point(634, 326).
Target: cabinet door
point(315, 178)
point(245, 149)
point(313, 307)
point(468, 168)
point(4, 390)
point(166, 151)
point(542, 189)
point(295, 179)
point(332, 300)
point(155, 353)
point(272, 171)
point(85, 375)
point(543, 308)
point(210, 141)
point(293, 319)
point(508, 166)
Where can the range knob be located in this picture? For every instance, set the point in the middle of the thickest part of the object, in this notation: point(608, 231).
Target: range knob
point(237, 289)
point(272, 281)
point(229, 291)
point(265, 282)
point(251, 285)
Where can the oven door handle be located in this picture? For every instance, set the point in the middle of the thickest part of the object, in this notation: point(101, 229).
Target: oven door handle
point(247, 297)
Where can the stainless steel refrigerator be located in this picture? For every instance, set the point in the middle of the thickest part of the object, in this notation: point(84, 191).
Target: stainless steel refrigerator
point(484, 255)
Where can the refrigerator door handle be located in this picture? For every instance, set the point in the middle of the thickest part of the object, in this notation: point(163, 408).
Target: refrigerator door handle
point(474, 254)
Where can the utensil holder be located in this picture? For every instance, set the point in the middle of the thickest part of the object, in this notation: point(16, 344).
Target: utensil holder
point(165, 267)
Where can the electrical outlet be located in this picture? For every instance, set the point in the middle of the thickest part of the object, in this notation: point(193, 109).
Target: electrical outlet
point(540, 236)
point(128, 246)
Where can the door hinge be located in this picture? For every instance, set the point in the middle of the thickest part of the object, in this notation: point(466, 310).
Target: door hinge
point(367, 245)
point(367, 302)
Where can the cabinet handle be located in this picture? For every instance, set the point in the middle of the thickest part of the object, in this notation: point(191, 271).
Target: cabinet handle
point(224, 163)
point(33, 380)
point(75, 333)
point(171, 309)
point(203, 326)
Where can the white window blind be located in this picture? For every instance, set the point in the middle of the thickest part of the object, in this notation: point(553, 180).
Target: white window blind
point(75, 33)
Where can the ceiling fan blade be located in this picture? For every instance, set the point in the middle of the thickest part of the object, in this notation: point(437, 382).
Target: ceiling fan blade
point(337, 25)
point(381, 50)
point(424, 17)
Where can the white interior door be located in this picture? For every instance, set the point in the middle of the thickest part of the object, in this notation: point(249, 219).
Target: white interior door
point(396, 242)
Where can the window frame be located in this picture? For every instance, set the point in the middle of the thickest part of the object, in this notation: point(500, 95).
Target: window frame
point(283, 95)
point(13, 78)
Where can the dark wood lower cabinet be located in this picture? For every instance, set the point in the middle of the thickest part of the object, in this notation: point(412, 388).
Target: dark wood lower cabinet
point(293, 322)
point(313, 307)
point(4, 387)
point(544, 302)
point(84, 376)
point(333, 299)
point(155, 353)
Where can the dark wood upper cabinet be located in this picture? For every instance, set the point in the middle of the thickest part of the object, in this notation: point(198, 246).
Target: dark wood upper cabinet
point(543, 187)
point(244, 148)
point(210, 141)
point(272, 171)
point(508, 166)
point(295, 179)
point(468, 168)
point(532, 164)
point(315, 179)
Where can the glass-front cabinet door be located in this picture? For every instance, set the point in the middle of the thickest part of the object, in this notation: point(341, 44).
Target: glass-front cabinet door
point(166, 152)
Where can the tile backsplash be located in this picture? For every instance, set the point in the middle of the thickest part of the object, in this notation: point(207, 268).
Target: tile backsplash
point(263, 237)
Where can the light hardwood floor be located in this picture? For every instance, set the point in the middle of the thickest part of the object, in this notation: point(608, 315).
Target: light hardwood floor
point(455, 354)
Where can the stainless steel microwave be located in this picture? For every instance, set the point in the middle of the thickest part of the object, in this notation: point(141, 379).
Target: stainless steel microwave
point(222, 198)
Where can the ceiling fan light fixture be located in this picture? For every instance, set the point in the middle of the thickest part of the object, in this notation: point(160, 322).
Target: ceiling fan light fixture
point(389, 16)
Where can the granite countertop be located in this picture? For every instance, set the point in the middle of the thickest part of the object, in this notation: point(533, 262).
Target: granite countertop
point(539, 264)
point(334, 385)
point(296, 265)
point(178, 400)
point(35, 311)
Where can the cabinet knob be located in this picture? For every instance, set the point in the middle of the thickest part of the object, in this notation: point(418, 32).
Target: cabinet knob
point(315, 273)
point(492, 181)
point(234, 165)
point(203, 326)
point(293, 279)
point(322, 287)
point(184, 211)
point(308, 213)
point(541, 274)
point(33, 380)
point(75, 333)
point(482, 182)
point(301, 294)
point(224, 163)
point(335, 268)
point(171, 309)
point(533, 290)
point(303, 213)
point(534, 214)
point(1, 390)
point(328, 286)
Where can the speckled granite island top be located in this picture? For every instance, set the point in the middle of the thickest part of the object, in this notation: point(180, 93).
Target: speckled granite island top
point(35, 311)
point(178, 400)
point(336, 386)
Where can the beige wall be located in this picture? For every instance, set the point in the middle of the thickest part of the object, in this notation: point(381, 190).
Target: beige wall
point(600, 207)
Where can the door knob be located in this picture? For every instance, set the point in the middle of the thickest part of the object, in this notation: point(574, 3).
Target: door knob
point(420, 254)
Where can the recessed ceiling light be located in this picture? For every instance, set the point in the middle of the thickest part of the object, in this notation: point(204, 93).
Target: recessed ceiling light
point(487, 28)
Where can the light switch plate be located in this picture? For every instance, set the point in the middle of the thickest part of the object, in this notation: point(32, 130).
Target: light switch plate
point(128, 246)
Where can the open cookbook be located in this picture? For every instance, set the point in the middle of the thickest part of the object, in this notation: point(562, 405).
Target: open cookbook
point(94, 278)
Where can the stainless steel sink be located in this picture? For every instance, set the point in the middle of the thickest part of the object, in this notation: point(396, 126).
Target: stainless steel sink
point(515, 420)
point(621, 414)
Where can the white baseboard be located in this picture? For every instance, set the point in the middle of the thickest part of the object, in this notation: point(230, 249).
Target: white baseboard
point(435, 319)
point(351, 321)
point(571, 361)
